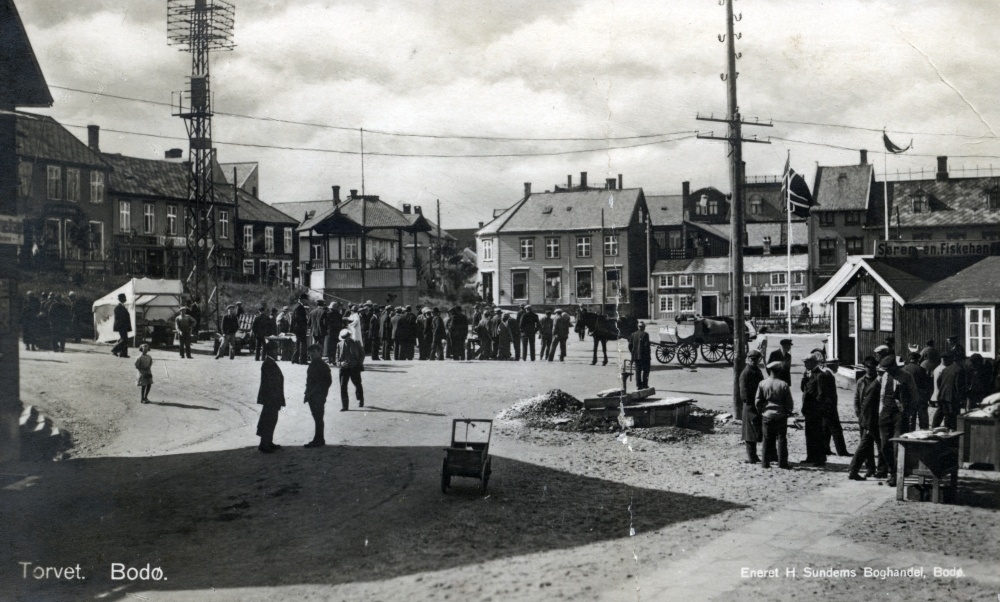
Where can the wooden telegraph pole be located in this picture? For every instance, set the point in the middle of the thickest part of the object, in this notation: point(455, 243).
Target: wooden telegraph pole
point(735, 139)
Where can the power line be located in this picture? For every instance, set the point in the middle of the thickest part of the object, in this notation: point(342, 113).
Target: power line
point(381, 132)
point(880, 130)
point(849, 148)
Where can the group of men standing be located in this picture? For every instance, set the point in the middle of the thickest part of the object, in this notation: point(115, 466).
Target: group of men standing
point(504, 336)
point(48, 319)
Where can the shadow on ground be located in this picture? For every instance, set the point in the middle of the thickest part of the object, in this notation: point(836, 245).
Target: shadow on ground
point(334, 515)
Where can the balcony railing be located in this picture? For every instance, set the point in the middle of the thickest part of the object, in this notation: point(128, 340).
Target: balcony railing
point(351, 279)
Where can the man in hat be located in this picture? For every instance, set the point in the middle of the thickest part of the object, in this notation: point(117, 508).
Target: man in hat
point(784, 355)
point(271, 395)
point(496, 319)
point(750, 378)
point(351, 359)
point(230, 326)
point(880, 352)
point(890, 343)
point(334, 322)
point(365, 315)
point(897, 396)
point(458, 332)
point(283, 320)
point(832, 429)
point(184, 324)
point(638, 346)
point(866, 408)
point(438, 334)
point(545, 333)
point(930, 358)
point(385, 329)
point(398, 324)
point(528, 324)
point(953, 390)
point(925, 387)
point(773, 402)
point(300, 328)
point(485, 335)
point(318, 381)
point(374, 334)
point(411, 332)
point(560, 333)
point(318, 323)
point(956, 348)
point(262, 327)
point(122, 325)
point(514, 324)
point(813, 410)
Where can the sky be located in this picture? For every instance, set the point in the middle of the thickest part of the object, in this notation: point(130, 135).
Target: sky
point(601, 71)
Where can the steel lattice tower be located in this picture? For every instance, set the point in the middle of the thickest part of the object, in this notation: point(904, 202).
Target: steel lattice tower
point(198, 27)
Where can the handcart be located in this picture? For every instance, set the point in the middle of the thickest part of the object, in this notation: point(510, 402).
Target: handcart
point(469, 454)
point(713, 336)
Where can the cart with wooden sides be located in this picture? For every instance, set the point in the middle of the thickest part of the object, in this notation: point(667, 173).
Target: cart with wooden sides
point(469, 453)
point(712, 336)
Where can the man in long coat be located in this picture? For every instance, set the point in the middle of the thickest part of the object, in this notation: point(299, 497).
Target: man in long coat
point(318, 381)
point(385, 329)
point(545, 333)
point(438, 334)
point(952, 392)
point(122, 325)
point(318, 323)
point(398, 324)
point(898, 395)
point(411, 332)
point(262, 327)
point(514, 324)
point(638, 346)
point(300, 328)
point(485, 336)
point(750, 378)
point(529, 327)
point(458, 332)
point(866, 402)
point(813, 410)
point(271, 396)
point(374, 334)
point(560, 332)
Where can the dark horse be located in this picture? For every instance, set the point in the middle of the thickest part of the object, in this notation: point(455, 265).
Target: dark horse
point(605, 329)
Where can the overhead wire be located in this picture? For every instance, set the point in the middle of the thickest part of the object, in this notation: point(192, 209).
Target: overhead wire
point(850, 148)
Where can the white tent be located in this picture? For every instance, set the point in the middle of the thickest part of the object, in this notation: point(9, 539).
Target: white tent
point(146, 300)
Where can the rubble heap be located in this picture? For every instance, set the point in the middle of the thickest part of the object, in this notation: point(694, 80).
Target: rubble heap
point(546, 410)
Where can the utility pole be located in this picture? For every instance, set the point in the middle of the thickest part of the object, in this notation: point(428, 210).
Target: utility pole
point(735, 139)
point(440, 261)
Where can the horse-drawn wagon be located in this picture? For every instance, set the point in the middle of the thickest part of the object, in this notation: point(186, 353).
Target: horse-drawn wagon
point(713, 336)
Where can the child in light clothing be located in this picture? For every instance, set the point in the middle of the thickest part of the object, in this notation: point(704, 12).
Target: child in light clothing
point(144, 367)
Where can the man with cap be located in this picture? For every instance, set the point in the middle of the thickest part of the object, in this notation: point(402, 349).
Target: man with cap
point(300, 328)
point(638, 346)
point(925, 387)
point(813, 410)
point(271, 396)
point(956, 349)
point(514, 324)
point(385, 330)
point(351, 360)
point(318, 381)
point(897, 396)
point(528, 326)
point(545, 333)
point(773, 402)
point(184, 325)
point(485, 335)
point(866, 408)
point(560, 333)
point(953, 390)
point(398, 324)
point(438, 334)
point(784, 355)
point(230, 326)
point(931, 356)
point(318, 324)
point(411, 332)
point(262, 327)
point(832, 428)
point(374, 334)
point(122, 325)
point(283, 320)
point(750, 378)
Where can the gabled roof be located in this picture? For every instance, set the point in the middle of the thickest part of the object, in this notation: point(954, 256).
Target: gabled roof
point(772, 205)
point(253, 209)
point(413, 218)
point(904, 279)
point(499, 220)
point(670, 266)
point(720, 230)
point(955, 202)
point(844, 188)
point(243, 171)
point(570, 210)
point(22, 83)
point(41, 137)
point(665, 209)
point(147, 177)
point(978, 283)
point(299, 209)
point(375, 214)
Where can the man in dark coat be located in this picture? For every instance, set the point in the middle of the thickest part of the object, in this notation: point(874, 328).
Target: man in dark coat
point(262, 327)
point(750, 378)
point(774, 404)
point(545, 333)
point(271, 395)
point(334, 323)
point(529, 328)
point(832, 429)
point(318, 381)
point(438, 334)
point(398, 324)
point(184, 325)
point(898, 395)
point(514, 324)
point(496, 319)
point(318, 324)
point(866, 408)
point(485, 336)
point(60, 319)
point(385, 327)
point(79, 316)
point(956, 349)
point(230, 326)
point(424, 333)
point(458, 330)
point(930, 354)
point(122, 325)
point(365, 313)
point(194, 310)
point(503, 338)
point(410, 319)
point(952, 392)
point(29, 313)
point(374, 332)
point(784, 355)
point(560, 332)
point(638, 346)
point(300, 328)
point(813, 411)
point(925, 386)
point(351, 359)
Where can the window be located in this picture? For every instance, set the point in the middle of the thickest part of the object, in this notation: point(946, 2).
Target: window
point(746, 304)
point(747, 280)
point(96, 241)
point(993, 198)
point(826, 219)
point(686, 303)
point(551, 248)
point(352, 248)
point(247, 240)
point(148, 218)
point(779, 279)
point(287, 248)
point(778, 303)
point(798, 278)
point(225, 261)
point(991, 234)
point(855, 245)
point(124, 216)
point(713, 207)
point(223, 224)
point(885, 313)
point(675, 239)
point(852, 218)
point(519, 284)
point(583, 246)
point(248, 266)
point(709, 280)
point(666, 304)
point(316, 252)
point(828, 251)
point(487, 250)
point(54, 182)
point(584, 284)
point(919, 204)
point(686, 281)
point(981, 335)
point(611, 245)
point(269, 239)
point(955, 235)
point(612, 287)
point(24, 178)
point(96, 187)
point(73, 184)
point(921, 235)
point(667, 281)
point(553, 285)
point(756, 205)
point(172, 220)
point(527, 248)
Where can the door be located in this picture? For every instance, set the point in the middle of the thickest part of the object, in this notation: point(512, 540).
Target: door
point(488, 286)
point(709, 305)
point(845, 333)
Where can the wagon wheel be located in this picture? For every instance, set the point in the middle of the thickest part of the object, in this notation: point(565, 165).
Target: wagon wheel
point(664, 353)
point(712, 352)
point(728, 351)
point(487, 469)
point(445, 477)
point(687, 354)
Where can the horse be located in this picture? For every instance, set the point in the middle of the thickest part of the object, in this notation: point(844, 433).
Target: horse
point(604, 329)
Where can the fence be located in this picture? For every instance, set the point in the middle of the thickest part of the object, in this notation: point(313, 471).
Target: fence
point(779, 324)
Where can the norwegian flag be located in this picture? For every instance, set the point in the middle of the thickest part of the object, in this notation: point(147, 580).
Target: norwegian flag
point(796, 191)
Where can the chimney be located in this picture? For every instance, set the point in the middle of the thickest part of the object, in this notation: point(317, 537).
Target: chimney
point(620, 182)
point(406, 208)
point(336, 195)
point(942, 173)
point(583, 179)
point(569, 181)
point(481, 225)
point(417, 210)
point(767, 245)
point(173, 154)
point(354, 193)
point(94, 137)
point(610, 183)
point(527, 189)
point(864, 157)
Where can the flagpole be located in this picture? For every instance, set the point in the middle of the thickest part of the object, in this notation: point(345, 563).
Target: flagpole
point(885, 190)
point(788, 241)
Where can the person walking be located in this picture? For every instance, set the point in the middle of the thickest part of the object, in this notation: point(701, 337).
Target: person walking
point(952, 392)
point(813, 412)
point(270, 395)
point(866, 408)
point(773, 402)
point(184, 325)
point(230, 326)
point(144, 368)
point(750, 379)
point(545, 333)
point(638, 346)
point(122, 325)
point(580, 319)
point(783, 354)
point(299, 326)
point(351, 359)
point(560, 332)
point(318, 381)
point(262, 327)
point(529, 329)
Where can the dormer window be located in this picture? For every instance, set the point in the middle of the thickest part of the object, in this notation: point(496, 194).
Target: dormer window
point(756, 205)
point(918, 201)
point(992, 198)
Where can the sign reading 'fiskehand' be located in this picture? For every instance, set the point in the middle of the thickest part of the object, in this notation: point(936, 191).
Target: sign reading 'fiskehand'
point(926, 248)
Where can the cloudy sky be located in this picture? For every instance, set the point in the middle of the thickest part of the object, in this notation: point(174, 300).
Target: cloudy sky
point(602, 71)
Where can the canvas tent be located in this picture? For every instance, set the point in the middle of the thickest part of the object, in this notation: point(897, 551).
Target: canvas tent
point(146, 299)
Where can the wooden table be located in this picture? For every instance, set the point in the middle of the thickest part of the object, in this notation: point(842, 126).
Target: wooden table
point(932, 459)
point(982, 439)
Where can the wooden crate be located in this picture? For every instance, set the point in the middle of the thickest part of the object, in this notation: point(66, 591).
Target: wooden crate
point(981, 443)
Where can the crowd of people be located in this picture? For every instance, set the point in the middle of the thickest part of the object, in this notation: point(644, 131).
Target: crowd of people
point(48, 319)
point(889, 400)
